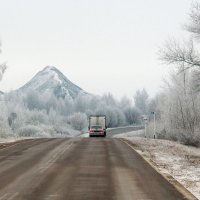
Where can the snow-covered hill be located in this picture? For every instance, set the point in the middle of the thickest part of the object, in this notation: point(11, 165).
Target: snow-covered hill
point(51, 80)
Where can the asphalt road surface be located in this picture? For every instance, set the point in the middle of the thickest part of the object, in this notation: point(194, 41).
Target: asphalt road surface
point(79, 169)
point(115, 131)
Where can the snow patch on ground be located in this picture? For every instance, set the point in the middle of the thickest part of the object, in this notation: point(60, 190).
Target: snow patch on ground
point(180, 161)
point(85, 135)
point(138, 133)
point(6, 140)
point(47, 133)
point(56, 78)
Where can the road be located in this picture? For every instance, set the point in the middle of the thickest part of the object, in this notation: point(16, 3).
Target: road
point(79, 169)
point(118, 130)
point(111, 132)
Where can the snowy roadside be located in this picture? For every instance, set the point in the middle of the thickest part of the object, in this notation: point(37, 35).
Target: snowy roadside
point(180, 161)
point(45, 134)
point(7, 140)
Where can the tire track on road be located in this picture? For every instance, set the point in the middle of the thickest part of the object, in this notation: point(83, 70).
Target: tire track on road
point(19, 147)
point(84, 169)
point(12, 173)
point(58, 178)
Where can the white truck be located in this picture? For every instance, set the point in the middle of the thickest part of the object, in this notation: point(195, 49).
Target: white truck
point(97, 125)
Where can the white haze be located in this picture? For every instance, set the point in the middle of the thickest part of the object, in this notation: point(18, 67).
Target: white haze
point(102, 46)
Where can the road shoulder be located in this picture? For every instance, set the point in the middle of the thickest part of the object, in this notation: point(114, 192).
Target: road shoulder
point(149, 157)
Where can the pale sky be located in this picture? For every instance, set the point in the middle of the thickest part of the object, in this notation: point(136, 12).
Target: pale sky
point(100, 45)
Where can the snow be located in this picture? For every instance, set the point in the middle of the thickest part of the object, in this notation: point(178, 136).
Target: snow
point(180, 161)
point(51, 79)
point(138, 133)
point(85, 135)
point(56, 78)
point(6, 140)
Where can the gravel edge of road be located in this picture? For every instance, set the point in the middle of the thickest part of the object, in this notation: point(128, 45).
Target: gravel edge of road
point(178, 186)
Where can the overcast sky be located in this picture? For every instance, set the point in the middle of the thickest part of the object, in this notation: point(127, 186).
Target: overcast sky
point(100, 45)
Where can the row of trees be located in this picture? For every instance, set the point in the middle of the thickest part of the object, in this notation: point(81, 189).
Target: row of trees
point(32, 112)
point(178, 105)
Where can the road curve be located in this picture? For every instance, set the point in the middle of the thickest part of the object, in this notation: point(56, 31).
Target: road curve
point(79, 169)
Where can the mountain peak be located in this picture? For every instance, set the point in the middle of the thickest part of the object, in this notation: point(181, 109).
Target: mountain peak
point(51, 80)
point(47, 68)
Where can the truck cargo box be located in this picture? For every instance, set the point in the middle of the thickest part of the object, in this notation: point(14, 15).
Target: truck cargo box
point(97, 125)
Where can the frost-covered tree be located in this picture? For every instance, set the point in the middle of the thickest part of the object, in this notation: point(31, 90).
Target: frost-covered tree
point(121, 119)
point(125, 102)
point(141, 100)
point(32, 100)
point(37, 117)
point(5, 129)
point(179, 103)
point(185, 54)
point(108, 99)
point(52, 116)
point(78, 121)
point(115, 116)
point(178, 110)
point(81, 103)
point(133, 115)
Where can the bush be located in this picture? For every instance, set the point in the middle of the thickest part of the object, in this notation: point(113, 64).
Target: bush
point(182, 136)
point(161, 134)
point(37, 118)
point(78, 121)
point(62, 130)
point(190, 139)
point(32, 131)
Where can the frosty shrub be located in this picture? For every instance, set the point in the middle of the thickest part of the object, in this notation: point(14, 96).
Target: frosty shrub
point(189, 139)
point(32, 131)
point(5, 130)
point(61, 130)
point(78, 121)
point(37, 117)
point(47, 130)
point(180, 135)
point(162, 134)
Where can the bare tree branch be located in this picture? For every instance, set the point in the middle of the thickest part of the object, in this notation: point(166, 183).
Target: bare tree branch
point(175, 53)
